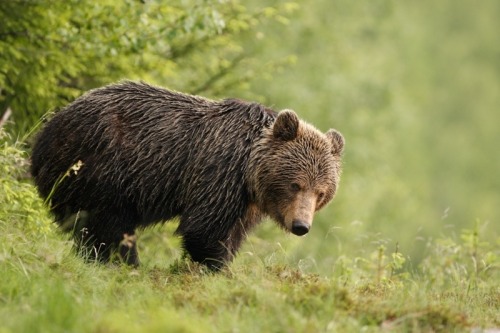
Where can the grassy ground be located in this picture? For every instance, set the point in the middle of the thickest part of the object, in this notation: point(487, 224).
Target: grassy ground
point(45, 288)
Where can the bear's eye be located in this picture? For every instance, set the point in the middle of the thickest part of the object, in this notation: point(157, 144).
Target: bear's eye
point(321, 195)
point(295, 187)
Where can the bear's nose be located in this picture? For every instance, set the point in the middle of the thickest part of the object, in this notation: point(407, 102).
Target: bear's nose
point(300, 228)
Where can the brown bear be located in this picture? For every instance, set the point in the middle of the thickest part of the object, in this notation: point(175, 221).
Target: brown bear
point(129, 155)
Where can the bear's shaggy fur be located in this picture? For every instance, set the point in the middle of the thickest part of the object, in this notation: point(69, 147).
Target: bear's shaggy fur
point(129, 155)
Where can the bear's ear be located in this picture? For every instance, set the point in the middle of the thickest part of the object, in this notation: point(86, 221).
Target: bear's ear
point(286, 125)
point(337, 141)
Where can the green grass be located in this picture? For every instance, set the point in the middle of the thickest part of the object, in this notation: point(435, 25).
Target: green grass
point(45, 288)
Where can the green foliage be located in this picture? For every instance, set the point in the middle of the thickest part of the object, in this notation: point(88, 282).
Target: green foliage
point(19, 201)
point(53, 51)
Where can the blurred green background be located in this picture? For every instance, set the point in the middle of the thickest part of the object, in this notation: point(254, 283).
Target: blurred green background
point(413, 86)
point(415, 89)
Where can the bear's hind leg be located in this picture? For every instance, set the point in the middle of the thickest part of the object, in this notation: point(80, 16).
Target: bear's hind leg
point(107, 236)
point(127, 250)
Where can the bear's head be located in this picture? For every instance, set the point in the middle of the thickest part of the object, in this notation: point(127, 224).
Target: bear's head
point(296, 171)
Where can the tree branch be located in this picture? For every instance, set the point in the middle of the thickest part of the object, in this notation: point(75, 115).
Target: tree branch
point(218, 75)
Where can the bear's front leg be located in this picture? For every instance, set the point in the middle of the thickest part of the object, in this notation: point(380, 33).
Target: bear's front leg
point(214, 254)
point(214, 239)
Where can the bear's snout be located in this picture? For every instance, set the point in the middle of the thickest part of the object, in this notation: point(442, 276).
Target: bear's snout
point(300, 228)
point(299, 213)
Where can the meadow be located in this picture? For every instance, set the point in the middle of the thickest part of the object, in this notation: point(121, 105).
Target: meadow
point(45, 287)
point(411, 243)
